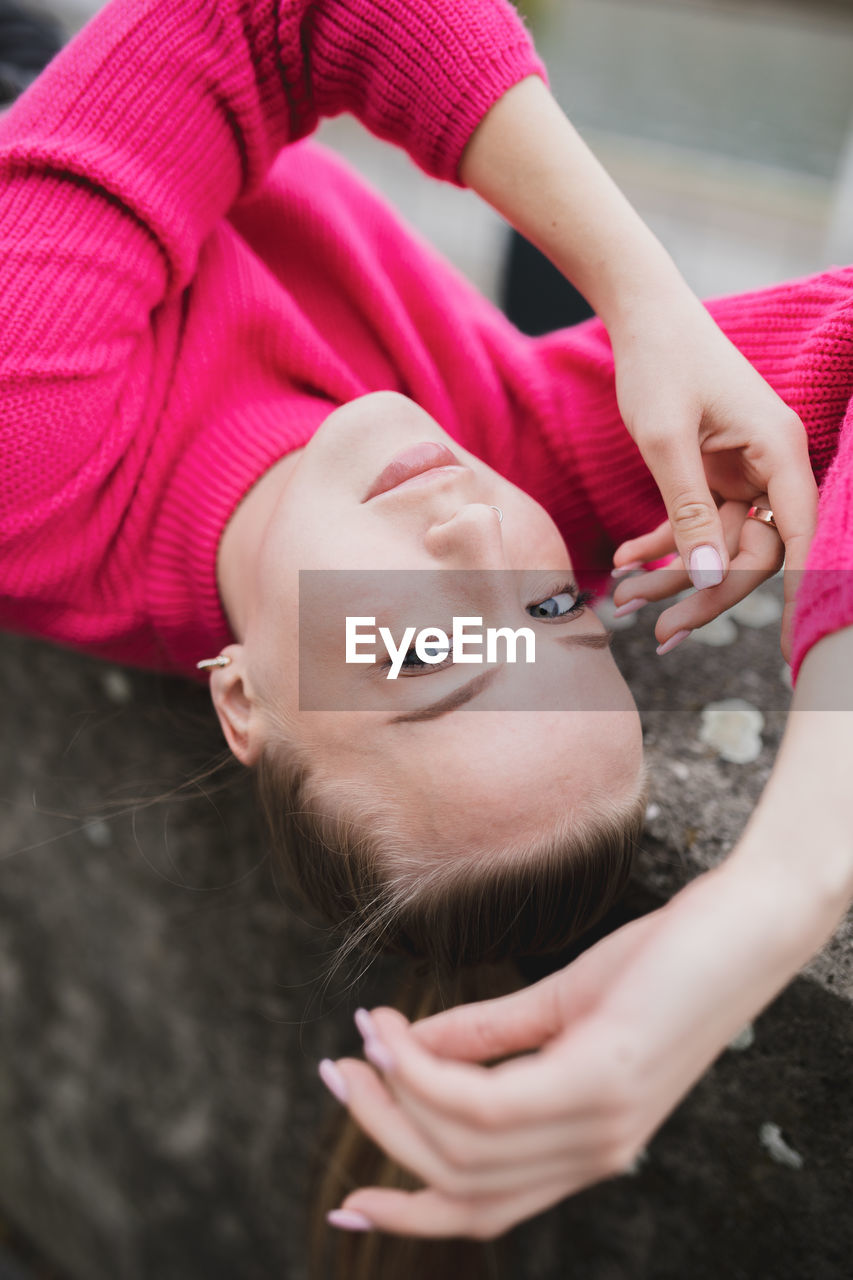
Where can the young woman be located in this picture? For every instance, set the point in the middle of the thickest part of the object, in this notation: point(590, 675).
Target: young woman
point(215, 341)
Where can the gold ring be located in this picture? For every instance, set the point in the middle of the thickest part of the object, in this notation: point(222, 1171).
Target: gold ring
point(764, 514)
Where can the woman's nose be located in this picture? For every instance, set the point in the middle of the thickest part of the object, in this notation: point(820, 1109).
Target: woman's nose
point(470, 539)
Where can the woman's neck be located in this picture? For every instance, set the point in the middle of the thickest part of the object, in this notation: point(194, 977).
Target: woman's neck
point(241, 539)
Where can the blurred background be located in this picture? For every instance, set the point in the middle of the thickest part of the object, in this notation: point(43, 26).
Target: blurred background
point(729, 125)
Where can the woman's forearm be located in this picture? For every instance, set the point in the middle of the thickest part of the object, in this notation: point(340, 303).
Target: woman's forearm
point(526, 159)
point(799, 842)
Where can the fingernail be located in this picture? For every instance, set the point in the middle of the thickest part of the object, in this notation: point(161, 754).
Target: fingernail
point(672, 641)
point(706, 567)
point(334, 1080)
point(631, 607)
point(349, 1219)
point(377, 1053)
point(365, 1024)
point(626, 568)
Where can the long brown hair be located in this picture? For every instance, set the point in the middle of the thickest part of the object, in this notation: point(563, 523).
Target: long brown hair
point(461, 922)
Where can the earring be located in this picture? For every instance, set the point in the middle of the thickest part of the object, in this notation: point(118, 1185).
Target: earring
point(500, 514)
point(206, 663)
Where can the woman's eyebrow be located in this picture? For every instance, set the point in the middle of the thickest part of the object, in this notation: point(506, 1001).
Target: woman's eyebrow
point(466, 692)
point(457, 698)
point(588, 642)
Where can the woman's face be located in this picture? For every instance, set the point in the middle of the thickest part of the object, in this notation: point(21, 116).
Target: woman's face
point(530, 741)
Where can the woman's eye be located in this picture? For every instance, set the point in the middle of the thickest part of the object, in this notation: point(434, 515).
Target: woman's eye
point(561, 604)
point(567, 602)
point(412, 662)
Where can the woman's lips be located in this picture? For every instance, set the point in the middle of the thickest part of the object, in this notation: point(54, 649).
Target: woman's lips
point(410, 462)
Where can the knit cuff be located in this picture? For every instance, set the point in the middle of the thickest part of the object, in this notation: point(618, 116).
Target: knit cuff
point(823, 606)
point(494, 80)
point(422, 76)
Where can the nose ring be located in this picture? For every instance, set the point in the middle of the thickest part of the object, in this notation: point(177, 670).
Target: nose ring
point(500, 514)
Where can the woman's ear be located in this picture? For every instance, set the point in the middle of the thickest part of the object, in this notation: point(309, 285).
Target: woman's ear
point(237, 707)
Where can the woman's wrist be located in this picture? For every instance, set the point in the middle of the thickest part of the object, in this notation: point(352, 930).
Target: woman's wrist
point(791, 915)
point(795, 857)
point(763, 928)
point(659, 303)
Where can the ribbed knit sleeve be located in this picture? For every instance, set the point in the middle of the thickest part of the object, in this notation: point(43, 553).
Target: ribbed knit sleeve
point(825, 591)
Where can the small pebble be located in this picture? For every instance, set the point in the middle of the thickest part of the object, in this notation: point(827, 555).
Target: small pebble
point(637, 1163)
point(652, 812)
point(680, 770)
point(717, 632)
point(97, 833)
point(770, 1137)
point(117, 687)
point(733, 728)
point(744, 1039)
point(757, 609)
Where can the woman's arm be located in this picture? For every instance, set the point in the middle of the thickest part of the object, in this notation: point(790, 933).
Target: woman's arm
point(527, 160)
point(703, 419)
point(802, 827)
point(624, 1032)
point(136, 141)
point(174, 111)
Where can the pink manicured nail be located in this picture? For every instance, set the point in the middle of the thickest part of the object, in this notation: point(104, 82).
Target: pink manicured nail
point(706, 567)
point(672, 642)
point(375, 1052)
point(349, 1219)
point(365, 1023)
point(626, 568)
point(630, 607)
point(333, 1080)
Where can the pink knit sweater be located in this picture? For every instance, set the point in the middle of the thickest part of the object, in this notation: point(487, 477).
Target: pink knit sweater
point(188, 290)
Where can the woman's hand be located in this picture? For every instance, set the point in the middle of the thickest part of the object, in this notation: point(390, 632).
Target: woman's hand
point(717, 440)
point(619, 1037)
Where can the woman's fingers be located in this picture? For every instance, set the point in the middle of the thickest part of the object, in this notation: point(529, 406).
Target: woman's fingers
point(441, 1159)
point(659, 584)
point(760, 556)
point(382, 1118)
point(454, 1159)
point(793, 498)
point(492, 1029)
point(502, 1156)
point(434, 1215)
point(650, 587)
point(636, 552)
point(755, 552)
point(676, 464)
point(514, 1093)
